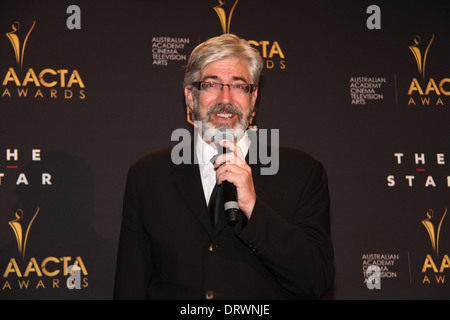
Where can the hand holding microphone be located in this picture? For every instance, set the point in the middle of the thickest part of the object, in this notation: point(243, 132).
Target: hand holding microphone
point(235, 175)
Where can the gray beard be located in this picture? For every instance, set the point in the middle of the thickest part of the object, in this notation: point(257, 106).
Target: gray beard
point(208, 127)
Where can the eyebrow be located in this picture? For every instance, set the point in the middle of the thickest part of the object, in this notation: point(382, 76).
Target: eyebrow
point(215, 78)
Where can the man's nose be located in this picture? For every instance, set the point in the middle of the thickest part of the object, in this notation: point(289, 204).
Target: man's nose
point(225, 95)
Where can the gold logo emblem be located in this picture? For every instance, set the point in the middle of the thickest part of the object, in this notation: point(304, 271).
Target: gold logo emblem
point(19, 49)
point(418, 54)
point(225, 13)
point(430, 226)
point(21, 228)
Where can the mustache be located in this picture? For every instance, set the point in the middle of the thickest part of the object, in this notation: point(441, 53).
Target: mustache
point(225, 108)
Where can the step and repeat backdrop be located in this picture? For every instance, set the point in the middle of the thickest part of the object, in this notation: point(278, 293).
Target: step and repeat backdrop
point(87, 87)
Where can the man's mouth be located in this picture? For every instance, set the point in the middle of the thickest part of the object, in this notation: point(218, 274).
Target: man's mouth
point(224, 115)
point(223, 112)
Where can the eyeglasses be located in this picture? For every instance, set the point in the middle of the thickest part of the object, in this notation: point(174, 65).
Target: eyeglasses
point(214, 87)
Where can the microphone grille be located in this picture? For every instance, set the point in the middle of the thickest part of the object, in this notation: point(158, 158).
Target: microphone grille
point(223, 134)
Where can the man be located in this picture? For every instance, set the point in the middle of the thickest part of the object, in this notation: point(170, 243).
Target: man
point(170, 248)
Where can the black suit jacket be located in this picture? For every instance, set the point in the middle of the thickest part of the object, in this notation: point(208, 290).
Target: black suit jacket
point(167, 249)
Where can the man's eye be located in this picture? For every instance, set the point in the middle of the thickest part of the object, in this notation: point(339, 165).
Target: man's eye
point(208, 85)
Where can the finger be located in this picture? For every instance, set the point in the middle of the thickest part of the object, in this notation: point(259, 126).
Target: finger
point(241, 178)
point(230, 176)
point(233, 147)
point(234, 174)
point(234, 157)
point(228, 158)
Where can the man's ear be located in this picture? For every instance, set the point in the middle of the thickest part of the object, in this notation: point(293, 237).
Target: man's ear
point(254, 97)
point(189, 99)
point(188, 95)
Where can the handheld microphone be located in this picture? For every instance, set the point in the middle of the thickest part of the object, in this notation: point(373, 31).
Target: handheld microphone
point(231, 206)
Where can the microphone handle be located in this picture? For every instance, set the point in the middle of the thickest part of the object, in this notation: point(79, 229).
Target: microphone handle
point(231, 206)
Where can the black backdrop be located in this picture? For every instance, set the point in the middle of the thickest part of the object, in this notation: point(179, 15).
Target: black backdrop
point(88, 102)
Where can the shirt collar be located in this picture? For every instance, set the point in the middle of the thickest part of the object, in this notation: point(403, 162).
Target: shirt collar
point(205, 151)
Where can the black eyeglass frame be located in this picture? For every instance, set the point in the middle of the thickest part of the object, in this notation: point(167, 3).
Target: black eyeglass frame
point(198, 85)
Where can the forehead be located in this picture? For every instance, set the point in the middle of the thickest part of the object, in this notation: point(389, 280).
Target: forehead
point(227, 69)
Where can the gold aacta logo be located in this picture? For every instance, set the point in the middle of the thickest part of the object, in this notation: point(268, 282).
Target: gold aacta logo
point(418, 54)
point(429, 225)
point(223, 11)
point(19, 49)
point(21, 228)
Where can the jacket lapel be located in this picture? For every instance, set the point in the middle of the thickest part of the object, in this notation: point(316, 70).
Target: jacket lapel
point(187, 180)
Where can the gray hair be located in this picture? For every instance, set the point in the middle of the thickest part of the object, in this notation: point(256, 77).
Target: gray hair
point(221, 47)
